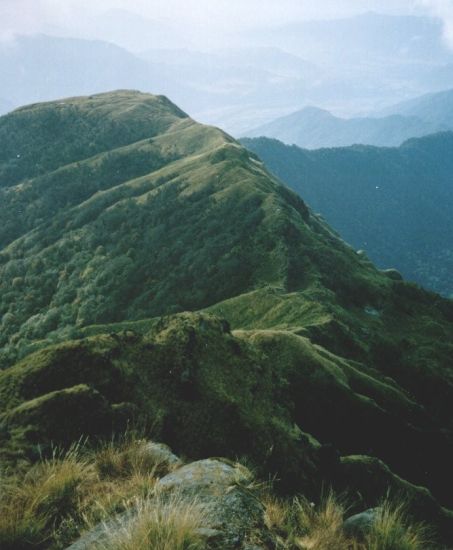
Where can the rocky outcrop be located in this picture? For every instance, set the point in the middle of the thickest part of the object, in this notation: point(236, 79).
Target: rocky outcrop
point(233, 515)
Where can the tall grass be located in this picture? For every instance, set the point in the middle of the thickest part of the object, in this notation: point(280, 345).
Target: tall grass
point(300, 525)
point(160, 524)
point(127, 458)
point(321, 527)
point(393, 530)
point(59, 497)
point(31, 507)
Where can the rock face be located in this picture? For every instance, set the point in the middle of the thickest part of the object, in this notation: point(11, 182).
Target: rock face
point(235, 514)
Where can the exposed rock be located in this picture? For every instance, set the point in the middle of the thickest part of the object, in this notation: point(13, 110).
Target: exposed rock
point(97, 534)
point(162, 456)
point(234, 512)
point(359, 525)
point(235, 515)
point(205, 474)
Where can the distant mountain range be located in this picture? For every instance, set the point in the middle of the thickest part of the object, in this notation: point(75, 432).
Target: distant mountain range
point(436, 108)
point(313, 128)
point(224, 86)
point(40, 68)
point(262, 76)
point(395, 203)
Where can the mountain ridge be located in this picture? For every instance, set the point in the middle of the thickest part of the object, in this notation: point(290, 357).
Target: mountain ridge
point(436, 107)
point(176, 280)
point(314, 128)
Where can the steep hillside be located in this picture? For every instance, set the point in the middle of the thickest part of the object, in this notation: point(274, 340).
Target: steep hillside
point(314, 128)
point(119, 212)
point(393, 203)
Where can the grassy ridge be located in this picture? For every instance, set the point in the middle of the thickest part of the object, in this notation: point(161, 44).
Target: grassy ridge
point(304, 352)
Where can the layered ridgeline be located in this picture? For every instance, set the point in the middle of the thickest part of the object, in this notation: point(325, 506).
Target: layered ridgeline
point(313, 128)
point(394, 203)
point(118, 212)
point(436, 108)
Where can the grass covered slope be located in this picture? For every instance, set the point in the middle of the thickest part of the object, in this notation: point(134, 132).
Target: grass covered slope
point(89, 236)
point(178, 216)
point(395, 203)
point(134, 210)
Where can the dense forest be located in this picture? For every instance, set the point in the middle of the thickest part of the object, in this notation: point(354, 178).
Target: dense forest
point(393, 203)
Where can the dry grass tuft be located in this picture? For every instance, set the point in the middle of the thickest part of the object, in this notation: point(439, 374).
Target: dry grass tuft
point(321, 527)
point(130, 457)
point(60, 497)
point(300, 525)
point(394, 531)
point(159, 524)
point(34, 505)
point(55, 500)
point(277, 515)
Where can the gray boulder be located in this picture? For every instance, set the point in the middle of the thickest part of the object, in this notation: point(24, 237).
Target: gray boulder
point(359, 525)
point(235, 515)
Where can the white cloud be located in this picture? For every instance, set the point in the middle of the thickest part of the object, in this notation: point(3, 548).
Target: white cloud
point(31, 14)
point(199, 20)
point(444, 10)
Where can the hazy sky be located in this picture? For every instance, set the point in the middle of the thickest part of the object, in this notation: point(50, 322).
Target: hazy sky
point(207, 16)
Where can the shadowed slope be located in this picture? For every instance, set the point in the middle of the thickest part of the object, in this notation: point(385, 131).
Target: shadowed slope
point(394, 203)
